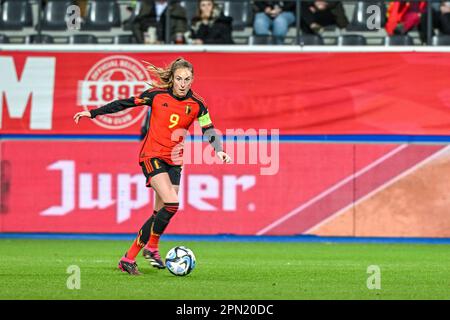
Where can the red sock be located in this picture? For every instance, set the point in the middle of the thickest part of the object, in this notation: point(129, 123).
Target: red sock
point(134, 250)
point(153, 243)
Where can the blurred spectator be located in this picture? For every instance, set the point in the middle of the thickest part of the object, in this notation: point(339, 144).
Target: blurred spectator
point(153, 14)
point(318, 14)
point(440, 20)
point(275, 15)
point(210, 25)
point(131, 7)
point(403, 16)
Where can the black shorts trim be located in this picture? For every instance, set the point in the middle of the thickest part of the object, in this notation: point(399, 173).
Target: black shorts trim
point(153, 166)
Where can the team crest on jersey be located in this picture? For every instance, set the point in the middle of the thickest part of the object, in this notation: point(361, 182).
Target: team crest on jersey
point(113, 78)
point(188, 109)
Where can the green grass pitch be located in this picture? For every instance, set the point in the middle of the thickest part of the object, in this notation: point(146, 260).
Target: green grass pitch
point(37, 269)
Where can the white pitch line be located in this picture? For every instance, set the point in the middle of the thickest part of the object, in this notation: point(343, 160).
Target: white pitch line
point(380, 188)
point(330, 190)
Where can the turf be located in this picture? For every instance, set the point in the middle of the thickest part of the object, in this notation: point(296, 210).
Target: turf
point(37, 269)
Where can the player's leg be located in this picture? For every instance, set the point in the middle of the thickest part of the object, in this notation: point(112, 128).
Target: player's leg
point(166, 188)
point(144, 232)
point(163, 186)
point(174, 173)
point(128, 262)
point(157, 206)
point(158, 203)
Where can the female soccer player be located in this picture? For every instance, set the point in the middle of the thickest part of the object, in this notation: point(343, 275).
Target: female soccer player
point(174, 106)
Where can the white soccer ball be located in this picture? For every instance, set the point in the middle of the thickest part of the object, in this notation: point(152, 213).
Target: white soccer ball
point(180, 261)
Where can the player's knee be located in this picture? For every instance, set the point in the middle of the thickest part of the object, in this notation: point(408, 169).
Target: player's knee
point(172, 198)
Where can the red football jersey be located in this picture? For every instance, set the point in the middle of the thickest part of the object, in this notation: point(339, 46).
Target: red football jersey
point(170, 119)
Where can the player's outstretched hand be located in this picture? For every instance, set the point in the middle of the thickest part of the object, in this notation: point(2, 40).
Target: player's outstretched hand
point(78, 115)
point(224, 157)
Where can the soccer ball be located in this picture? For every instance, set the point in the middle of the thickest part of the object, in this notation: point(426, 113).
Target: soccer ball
point(180, 261)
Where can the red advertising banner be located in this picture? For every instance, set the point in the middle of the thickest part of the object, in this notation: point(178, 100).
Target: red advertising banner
point(97, 187)
point(298, 93)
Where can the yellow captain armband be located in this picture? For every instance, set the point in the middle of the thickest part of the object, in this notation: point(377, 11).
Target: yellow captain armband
point(204, 120)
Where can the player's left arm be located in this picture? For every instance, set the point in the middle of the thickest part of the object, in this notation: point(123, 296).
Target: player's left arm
point(211, 134)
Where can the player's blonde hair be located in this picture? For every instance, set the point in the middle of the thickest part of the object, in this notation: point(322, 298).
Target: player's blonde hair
point(165, 75)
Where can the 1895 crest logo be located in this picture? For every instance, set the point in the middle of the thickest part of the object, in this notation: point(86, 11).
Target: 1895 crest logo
point(112, 78)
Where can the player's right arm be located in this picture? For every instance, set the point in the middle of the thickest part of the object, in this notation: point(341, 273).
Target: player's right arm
point(145, 98)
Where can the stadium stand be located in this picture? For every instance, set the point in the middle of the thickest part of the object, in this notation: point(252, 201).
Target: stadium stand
point(361, 14)
point(53, 17)
point(132, 11)
point(399, 40)
point(240, 12)
point(83, 39)
point(352, 40)
point(311, 40)
point(102, 15)
point(15, 15)
point(261, 40)
point(42, 38)
point(441, 40)
point(109, 22)
point(4, 38)
point(191, 9)
point(124, 39)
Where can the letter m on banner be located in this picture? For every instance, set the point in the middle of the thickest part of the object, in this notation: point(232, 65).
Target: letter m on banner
point(34, 88)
